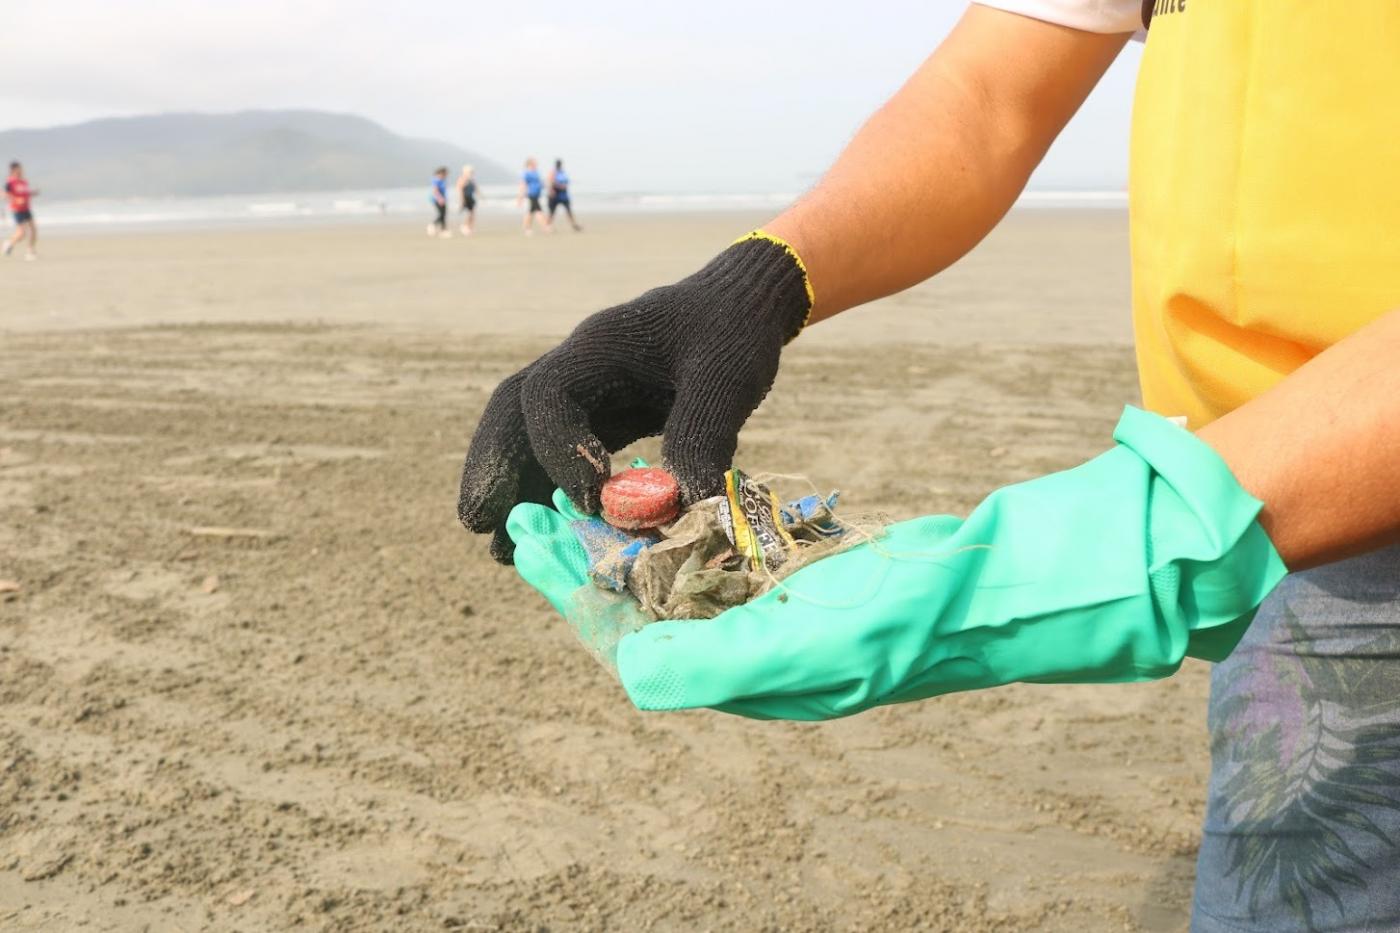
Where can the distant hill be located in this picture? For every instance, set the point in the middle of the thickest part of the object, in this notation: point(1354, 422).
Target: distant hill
point(254, 151)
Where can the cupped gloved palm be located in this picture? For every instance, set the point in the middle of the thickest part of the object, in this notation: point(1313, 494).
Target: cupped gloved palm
point(1112, 571)
point(690, 360)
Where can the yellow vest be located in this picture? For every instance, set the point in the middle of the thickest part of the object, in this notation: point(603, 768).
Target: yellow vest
point(1264, 191)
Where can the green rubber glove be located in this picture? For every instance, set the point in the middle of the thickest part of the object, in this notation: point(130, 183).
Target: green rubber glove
point(1112, 571)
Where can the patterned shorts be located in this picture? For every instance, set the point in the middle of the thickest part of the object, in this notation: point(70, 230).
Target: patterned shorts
point(1302, 826)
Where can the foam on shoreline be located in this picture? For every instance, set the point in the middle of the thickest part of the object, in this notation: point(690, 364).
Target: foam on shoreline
point(399, 204)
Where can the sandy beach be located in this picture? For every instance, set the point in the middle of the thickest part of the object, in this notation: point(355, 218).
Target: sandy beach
point(254, 675)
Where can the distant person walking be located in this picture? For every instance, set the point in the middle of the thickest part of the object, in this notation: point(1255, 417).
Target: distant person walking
point(438, 195)
point(19, 191)
point(559, 193)
point(466, 191)
point(531, 187)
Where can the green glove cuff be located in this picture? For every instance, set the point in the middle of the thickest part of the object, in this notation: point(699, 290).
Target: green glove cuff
point(1209, 561)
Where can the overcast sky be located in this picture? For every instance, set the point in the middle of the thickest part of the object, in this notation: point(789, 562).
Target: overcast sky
point(715, 96)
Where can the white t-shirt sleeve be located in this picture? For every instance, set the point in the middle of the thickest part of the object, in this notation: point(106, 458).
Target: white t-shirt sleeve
point(1088, 15)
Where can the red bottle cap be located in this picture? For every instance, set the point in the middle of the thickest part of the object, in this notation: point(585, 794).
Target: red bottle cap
point(642, 497)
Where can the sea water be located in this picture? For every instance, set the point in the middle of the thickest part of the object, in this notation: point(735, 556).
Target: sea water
point(401, 204)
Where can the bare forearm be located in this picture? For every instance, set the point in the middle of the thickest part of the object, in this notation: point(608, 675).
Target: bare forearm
point(1322, 450)
point(936, 168)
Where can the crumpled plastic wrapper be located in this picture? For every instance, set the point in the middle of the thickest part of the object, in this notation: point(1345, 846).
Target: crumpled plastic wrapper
point(693, 572)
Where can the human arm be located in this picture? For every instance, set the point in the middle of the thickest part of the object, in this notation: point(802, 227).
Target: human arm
point(920, 184)
point(935, 169)
point(1321, 449)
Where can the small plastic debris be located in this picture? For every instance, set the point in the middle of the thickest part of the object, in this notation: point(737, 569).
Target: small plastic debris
point(719, 553)
point(611, 551)
point(641, 497)
point(210, 584)
point(816, 512)
point(751, 517)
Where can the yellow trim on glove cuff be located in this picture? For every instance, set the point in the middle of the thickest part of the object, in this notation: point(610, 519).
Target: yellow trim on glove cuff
point(787, 248)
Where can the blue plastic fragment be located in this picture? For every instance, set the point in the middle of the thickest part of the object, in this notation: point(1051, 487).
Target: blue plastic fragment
point(816, 512)
point(611, 551)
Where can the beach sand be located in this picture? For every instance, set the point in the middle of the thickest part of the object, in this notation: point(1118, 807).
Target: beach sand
point(256, 675)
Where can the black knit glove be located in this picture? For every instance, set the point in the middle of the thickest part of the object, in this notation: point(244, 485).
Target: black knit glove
point(691, 361)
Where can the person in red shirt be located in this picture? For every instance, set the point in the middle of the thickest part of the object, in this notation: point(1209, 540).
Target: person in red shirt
point(19, 191)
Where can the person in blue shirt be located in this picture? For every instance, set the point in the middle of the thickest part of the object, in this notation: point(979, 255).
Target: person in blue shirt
point(559, 194)
point(437, 193)
point(531, 187)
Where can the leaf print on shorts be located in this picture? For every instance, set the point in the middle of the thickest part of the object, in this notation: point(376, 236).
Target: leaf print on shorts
point(1313, 745)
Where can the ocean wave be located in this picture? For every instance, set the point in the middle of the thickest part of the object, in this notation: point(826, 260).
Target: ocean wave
point(412, 203)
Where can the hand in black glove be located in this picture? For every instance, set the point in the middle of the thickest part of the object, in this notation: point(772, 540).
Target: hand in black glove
point(691, 361)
